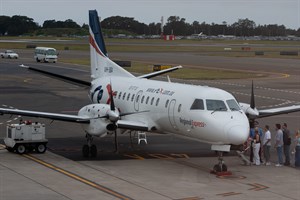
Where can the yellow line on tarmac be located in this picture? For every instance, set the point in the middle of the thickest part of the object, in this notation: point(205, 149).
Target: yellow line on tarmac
point(78, 178)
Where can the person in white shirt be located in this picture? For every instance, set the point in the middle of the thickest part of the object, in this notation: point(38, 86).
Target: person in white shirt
point(267, 144)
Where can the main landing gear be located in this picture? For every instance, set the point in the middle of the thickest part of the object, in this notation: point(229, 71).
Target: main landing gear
point(89, 149)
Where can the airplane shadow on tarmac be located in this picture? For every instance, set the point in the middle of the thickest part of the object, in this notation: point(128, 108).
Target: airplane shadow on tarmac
point(158, 147)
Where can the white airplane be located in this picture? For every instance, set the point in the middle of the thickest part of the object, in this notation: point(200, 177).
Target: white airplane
point(122, 102)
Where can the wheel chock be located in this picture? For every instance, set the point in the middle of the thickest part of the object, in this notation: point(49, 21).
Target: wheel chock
point(227, 173)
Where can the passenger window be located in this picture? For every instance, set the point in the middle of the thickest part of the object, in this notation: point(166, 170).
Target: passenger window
point(128, 96)
point(147, 99)
point(137, 98)
point(197, 105)
point(120, 94)
point(179, 108)
point(152, 100)
point(132, 98)
point(157, 101)
point(167, 103)
point(142, 99)
point(124, 95)
point(215, 105)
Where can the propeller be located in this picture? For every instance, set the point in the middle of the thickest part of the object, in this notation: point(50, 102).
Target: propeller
point(112, 114)
point(252, 102)
point(112, 103)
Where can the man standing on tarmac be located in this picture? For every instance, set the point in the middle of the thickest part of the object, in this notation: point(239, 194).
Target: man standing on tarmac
point(279, 144)
point(286, 144)
point(267, 144)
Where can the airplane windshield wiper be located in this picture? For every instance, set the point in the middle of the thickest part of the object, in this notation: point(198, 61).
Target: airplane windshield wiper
point(218, 109)
point(235, 109)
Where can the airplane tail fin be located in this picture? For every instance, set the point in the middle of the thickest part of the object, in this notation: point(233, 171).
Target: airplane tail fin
point(101, 65)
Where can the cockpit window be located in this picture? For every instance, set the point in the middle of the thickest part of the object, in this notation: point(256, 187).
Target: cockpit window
point(232, 104)
point(215, 105)
point(197, 105)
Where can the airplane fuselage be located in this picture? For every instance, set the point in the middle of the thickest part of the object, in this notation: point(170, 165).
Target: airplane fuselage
point(204, 113)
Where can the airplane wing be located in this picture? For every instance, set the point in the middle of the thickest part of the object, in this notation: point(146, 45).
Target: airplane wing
point(132, 125)
point(124, 124)
point(59, 77)
point(278, 111)
point(153, 74)
point(53, 116)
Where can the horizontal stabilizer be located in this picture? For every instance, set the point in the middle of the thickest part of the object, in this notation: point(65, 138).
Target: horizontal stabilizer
point(153, 74)
point(67, 79)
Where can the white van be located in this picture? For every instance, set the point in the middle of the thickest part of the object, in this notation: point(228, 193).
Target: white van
point(45, 54)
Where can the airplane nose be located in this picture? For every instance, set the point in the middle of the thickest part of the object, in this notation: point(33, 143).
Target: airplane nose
point(237, 134)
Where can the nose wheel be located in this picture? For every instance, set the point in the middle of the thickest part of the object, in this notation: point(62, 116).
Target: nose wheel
point(220, 167)
point(89, 149)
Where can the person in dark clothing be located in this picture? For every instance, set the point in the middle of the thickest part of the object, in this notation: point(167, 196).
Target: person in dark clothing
point(251, 136)
point(286, 144)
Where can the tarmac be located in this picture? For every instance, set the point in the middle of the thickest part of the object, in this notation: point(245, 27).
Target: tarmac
point(51, 176)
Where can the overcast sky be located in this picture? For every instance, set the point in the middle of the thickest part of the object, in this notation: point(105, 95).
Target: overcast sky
point(286, 12)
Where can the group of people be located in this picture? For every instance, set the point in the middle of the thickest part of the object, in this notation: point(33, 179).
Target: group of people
point(261, 142)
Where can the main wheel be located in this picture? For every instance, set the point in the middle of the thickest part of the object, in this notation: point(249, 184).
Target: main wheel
point(40, 148)
point(21, 149)
point(93, 151)
point(85, 151)
point(37, 60)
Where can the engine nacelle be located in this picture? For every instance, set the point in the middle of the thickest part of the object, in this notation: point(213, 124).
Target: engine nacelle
point(252, 113)
point(99, 124)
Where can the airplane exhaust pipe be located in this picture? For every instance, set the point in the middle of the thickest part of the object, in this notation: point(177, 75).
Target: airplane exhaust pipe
point(111, 127)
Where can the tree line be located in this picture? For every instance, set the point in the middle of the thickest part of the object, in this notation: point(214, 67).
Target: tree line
point(21, 25)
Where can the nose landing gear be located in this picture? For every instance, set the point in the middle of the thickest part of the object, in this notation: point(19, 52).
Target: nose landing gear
point(220, 169)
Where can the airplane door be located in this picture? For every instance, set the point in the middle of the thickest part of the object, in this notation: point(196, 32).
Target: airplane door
point(171, 113)
point(137, 100)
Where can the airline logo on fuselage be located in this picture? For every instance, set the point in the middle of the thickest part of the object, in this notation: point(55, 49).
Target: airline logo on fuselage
point(100, 93)
point(160, 91)
point(191, 122)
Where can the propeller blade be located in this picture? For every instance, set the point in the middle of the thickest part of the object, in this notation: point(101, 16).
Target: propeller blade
point(116, 143)
point(252, 102)
point(112, 103)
